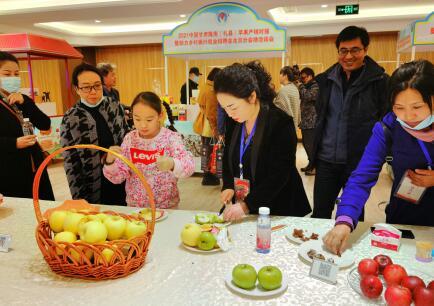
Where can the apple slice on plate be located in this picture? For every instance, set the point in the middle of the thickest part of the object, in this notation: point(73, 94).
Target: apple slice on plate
point(316, 248)
point(146, 213)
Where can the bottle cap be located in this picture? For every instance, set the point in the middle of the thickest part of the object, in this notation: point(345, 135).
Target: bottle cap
point(264, 210)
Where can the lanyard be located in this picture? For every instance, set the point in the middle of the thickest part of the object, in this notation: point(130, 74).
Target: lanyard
point(425, 152)
point(244, 146)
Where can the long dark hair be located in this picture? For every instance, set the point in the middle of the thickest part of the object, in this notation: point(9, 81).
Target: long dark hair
point(240, 80)
point(152, 100)
point(418, 75)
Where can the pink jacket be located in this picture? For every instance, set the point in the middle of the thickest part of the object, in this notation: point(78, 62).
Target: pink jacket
point(143, 153)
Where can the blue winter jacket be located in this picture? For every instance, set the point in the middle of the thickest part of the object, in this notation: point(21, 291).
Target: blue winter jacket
point(407, 154)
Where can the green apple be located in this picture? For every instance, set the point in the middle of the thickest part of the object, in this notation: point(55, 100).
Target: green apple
point(219, 219)
point(88, 253)
point(270, 277)
point(212, 218)
point(94, 232)
point(202, 219)
point(244, 276)
point(56, 220)
point(115, 227)
point(207, 241)
point(107, 254)
point(134, 229)
point(190, 234)
point(71, 222)
point(64, 237)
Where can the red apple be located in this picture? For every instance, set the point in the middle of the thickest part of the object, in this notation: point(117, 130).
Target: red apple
point(383, 261)
point(371, 286)
point(431, 285)
point(412, 282)
point(423, 296)
point(368, 266)
point(393, 274)
point(397, 296)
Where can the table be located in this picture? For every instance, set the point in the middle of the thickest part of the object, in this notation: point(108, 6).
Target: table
point(174, 276)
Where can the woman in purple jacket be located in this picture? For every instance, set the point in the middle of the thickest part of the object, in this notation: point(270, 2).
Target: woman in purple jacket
point(408, 134)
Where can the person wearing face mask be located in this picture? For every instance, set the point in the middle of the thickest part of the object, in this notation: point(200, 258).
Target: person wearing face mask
point(259, 159)
point(20, 154)
point(96, 120)
point(193, 83)
point(408, 134)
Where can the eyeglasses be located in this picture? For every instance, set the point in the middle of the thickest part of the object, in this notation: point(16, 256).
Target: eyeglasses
point(87, 89)
point(353, 51)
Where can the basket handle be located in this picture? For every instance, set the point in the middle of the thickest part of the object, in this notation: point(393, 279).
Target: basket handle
point(43, 165)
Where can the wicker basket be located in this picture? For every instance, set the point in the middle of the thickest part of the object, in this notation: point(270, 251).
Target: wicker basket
point(73, 259)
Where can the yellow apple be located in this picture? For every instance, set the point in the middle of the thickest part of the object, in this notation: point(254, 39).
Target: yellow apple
point(107, 254)
point(88, 253)
point(115, 227)
point(190, 234)
point(102, 216)
point(56, 220)
point(94, 232)
point(64, 237)
point(71, 222)
point(134, 229)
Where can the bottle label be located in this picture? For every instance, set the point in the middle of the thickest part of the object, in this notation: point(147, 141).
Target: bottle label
point(263, 239)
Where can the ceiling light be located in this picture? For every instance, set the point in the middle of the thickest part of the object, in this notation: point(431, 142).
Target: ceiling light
point(324, 5)
point(182, 15)
point(97, 21)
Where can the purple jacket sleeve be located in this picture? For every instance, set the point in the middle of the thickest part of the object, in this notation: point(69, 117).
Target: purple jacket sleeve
point(358, 187)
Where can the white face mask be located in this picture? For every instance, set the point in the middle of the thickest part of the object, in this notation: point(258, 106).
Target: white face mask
point(422, 125)
point(91, 105)
point(10, 84)
point(196, 79)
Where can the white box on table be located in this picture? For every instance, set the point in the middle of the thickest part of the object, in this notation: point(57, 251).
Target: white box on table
point(386, 236)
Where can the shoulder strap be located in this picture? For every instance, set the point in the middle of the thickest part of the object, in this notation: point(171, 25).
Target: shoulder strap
point(388, 137)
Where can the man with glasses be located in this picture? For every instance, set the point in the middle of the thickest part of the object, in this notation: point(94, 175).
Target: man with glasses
point(352, 97)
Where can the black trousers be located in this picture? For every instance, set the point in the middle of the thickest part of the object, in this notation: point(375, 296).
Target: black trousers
point(308, 137)
point(329, 180)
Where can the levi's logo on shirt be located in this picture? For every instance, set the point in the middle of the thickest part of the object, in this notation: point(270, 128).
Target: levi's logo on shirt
point(144, 156)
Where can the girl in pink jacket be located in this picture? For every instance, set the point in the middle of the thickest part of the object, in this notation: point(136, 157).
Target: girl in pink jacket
point(156, 151)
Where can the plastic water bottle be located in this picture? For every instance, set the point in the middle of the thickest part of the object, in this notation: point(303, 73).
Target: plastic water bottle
point(27, 127)
point(263, 232)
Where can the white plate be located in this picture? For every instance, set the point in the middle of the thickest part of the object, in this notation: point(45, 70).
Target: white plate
point(353, 278)
point(258, 291)
point(196, 250)
point(161, 218)
point(346, 260)
point(307, 232)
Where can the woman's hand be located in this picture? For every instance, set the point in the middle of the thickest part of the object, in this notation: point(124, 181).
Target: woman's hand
point(165, 163)
point(15, 97)
point(422, 177)
point(26, 141)
point(110, 158)
point(235, 212)
point(227, 195)
point(335, 240)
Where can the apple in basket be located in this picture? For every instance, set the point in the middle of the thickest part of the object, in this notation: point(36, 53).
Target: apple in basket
point(107, 254)
point(76, 255)
point(207, 241)
point(71, 222)
point(94, 232)
point(270, 277)
point(134, 229)
point(244, 276)
point(116, 226)
point(190, 234)
point(64, 237)
point(56, 220)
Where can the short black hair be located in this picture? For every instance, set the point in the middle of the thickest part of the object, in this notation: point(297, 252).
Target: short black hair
point(417, 75)
point(289, 72)
point(105, 68)
point(240, 80)
point(212, 73)
point(308, 71)
point(7, 57)
point(353, 32)
point(83, 67)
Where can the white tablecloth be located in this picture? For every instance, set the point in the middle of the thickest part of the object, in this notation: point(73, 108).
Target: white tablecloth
point(174, 276)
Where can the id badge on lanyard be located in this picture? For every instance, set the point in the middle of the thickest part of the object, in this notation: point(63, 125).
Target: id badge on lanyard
point(241, 185)
point(406, 189)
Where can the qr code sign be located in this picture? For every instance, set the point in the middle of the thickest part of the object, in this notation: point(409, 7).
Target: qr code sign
point(5, 241)
point(325, 271)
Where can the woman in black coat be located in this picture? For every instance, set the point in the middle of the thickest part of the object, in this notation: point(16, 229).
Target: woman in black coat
point(265, 174)
point(20, 156)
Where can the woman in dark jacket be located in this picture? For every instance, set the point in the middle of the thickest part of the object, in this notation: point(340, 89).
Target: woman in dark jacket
point(265, 175)
point(96, 120)
point(20, 155)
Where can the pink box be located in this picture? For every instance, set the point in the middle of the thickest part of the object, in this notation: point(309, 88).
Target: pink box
point(386, 236)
